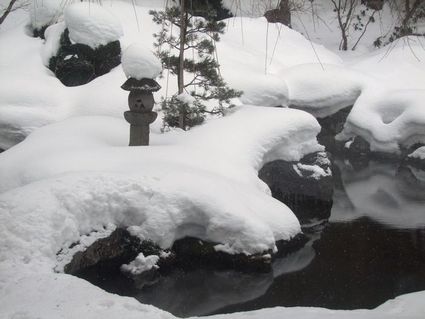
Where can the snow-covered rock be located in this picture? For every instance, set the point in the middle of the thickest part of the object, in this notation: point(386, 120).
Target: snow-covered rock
point(388, 119)
point(139, 62)
point(91, 24)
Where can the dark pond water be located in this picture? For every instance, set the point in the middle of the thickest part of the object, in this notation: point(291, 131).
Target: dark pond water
point(371, 250)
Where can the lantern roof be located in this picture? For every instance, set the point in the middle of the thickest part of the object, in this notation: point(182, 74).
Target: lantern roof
point(145, 84)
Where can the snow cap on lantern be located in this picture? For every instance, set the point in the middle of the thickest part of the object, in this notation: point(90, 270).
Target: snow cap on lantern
point(139, 62)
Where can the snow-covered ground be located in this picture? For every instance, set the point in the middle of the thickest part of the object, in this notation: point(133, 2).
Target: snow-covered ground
point(74, 175)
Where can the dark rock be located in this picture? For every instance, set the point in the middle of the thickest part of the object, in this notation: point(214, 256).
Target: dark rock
point(282, 14)
point(331, 126)
point(359, 154)
point(374, 4)
point(210, 9)
point(409, 184)
point(77, 64)
point(39, 33)
point(117, 249)
point(74, 71)
point(286, 247)
point(106, 255)
point(359, 147)
point(416, 162)
point(300, 188)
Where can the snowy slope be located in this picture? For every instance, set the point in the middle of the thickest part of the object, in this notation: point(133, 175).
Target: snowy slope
point(74, 174)
point(30, 95)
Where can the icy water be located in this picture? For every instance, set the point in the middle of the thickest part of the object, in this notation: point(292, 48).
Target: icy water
point(371, 250)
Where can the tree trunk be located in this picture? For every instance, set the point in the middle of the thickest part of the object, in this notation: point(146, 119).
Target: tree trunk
point(7, 11)
point(180, 75)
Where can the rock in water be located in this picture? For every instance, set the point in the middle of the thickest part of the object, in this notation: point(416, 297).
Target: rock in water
point(306, 186)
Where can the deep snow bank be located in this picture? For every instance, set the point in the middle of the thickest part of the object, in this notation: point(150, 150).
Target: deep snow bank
point(83, 177)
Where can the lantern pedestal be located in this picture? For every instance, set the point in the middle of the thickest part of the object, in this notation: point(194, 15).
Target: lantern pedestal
point(141, 102)
point(139, 126)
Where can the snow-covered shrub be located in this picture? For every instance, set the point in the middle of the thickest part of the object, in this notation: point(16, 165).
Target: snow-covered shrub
point(194, 112)
point(44, 13)
point(89, 46)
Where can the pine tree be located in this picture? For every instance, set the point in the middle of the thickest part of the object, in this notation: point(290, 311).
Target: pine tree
point(198, 36)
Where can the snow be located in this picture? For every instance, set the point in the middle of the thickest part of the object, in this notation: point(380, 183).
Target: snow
point(323, 89)
point(51, 46)
point(141, 264)
point(139, 62)
point(398, 66)
point(419, 153)
point(313, 171)
point(75, 180)
point(203, 185)
point(72, 297)
point(186, 98)
point(45, 12)
point(388, 119)
point(242, 66)
point(258, 68)
point(91, 24)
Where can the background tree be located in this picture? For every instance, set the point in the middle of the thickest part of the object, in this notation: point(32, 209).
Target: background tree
point(11, 6)
point(351, 16)
point(199, 36)
point(409, 13)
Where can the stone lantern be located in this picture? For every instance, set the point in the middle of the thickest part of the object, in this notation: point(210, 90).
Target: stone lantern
point(141, 102)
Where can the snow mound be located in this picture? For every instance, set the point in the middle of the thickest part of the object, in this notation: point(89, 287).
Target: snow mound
point(203, 184)
point(51, 46)
point(91, 24)
point(139, 62)
point(256, 66)
point(388, 119)
point(323, 89)
point(45, 12)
